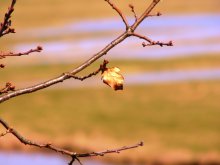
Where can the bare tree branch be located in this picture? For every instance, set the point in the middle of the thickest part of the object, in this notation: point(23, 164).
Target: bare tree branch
point(153, 15)
point(151, 42)
point(5, 28)
point(8, 87)
point(117, 150)
point(6, 24)
point(74, 156)
point(129, 32)
point(37, 49)
point(144, 15)
point(101, 69)
point(5, 133)
point(133, 11)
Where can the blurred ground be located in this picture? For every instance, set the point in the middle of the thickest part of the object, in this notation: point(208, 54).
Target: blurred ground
point(178, 121)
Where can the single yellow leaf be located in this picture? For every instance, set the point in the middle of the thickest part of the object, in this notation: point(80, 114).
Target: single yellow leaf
point(113, 78)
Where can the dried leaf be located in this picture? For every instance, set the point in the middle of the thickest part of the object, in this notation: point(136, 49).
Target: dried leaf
point(113, 78)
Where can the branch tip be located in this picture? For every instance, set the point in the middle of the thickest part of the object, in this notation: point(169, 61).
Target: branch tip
point(141, 143)
point(39, 48)
point(159, 13)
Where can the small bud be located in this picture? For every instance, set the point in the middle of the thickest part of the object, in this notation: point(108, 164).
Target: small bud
point(39, 48)
point(11, 30)
point(141, 143)
point(2, 65)
point(171, 43)
point(159, 14)
point(131, 6)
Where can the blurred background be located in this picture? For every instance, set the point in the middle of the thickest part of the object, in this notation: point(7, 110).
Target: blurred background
point(171, 94)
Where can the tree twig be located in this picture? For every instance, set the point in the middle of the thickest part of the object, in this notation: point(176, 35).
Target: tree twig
point(144, 15)
point(6, 24)
point(117, 150)
point(129, 32)
point(5, 133)
point(74, 156)
point(153, 15)
point(101, 69)
point(151, 42)
point(8, 87)
point(37, 49)
point(133, 11)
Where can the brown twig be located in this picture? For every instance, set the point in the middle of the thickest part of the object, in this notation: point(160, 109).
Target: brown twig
point(74, 156)
point(133, 11)
point(6, 24)
point(151, 42)
point(5, 133)
point(117, 150)
point(10, 54)
point(103, 153)
point(144, 15)
point(8, 87)
point(119, 12)
point(153, 15)
point(129, 32)
point(101, 69)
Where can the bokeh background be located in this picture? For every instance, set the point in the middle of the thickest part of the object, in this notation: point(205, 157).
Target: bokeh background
point(171, 94)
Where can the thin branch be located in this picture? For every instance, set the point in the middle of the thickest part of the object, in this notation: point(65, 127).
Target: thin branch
point(11, 54)
point(103, 153)
point(73, 160)
point(84, 65)
point(31, 143)
point(151, 42)
point(119, 12)
point(74, 156)
point(5, 133)
point(8, 87)
point(144, 15)
point(5, 25)
point(133, 11)
point(101, 69)
point(117, 150)
point(153, 15)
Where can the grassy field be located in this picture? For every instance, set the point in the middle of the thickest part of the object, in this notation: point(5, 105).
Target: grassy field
point(35, 13)
point(172, 117)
